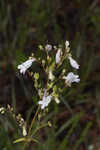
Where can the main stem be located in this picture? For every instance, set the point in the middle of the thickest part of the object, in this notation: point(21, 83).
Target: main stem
point(33, 120)
point(29, 131)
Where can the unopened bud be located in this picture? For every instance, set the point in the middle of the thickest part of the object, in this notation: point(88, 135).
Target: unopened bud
point(40, 47)
point(24, 131)
point(57, 100)
point(67, 44)
point(49, 124)
point(51, 76)
point(43, 61)
point(2, 110)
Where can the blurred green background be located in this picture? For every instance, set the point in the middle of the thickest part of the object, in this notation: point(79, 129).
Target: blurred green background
point(24, 24)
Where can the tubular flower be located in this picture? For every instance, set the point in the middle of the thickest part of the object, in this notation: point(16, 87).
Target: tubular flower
point(66, 44)
point(45, 100)
point(58, 56)
point(70, 78)
point(73, 63)
point(24, 66)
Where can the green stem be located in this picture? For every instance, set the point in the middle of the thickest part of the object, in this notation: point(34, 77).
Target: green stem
point(23, 148)
point(33, 120)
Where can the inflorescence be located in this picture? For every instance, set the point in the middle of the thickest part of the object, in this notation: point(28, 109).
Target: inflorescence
point(60, 56)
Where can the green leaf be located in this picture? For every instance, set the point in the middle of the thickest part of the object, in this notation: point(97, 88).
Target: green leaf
point(20, 140)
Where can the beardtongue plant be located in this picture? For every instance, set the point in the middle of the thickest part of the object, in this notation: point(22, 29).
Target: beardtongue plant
point(51, 62)
point(50, 67)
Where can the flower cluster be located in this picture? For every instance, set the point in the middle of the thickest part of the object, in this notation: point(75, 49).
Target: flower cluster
point(53, 62)
point(71, 77)
point(17, 117)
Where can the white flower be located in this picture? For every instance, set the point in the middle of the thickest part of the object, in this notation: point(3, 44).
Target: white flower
point(66, 44)
point(48, 47)
point(91, 147)
point(70, 78)
point(58, 56)
point(24, 66)
point(45, 101)
point(73, 63)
